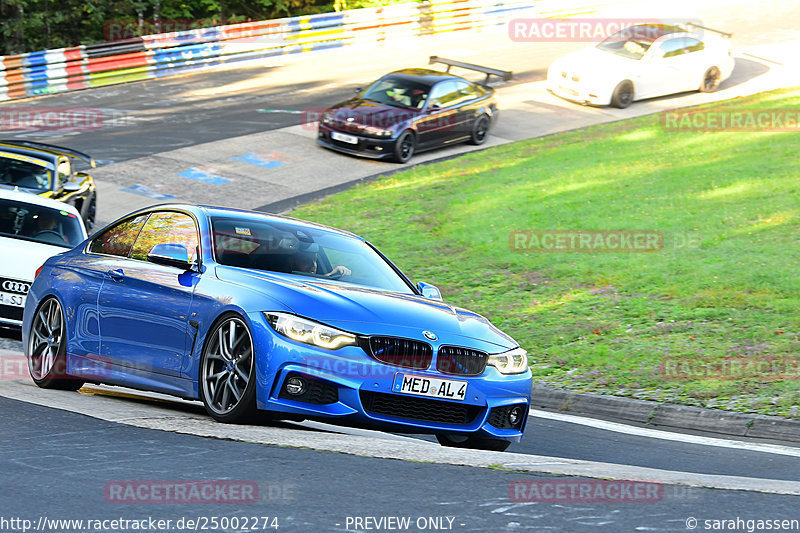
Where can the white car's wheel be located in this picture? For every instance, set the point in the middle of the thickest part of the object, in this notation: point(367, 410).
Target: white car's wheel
point(623, 95)
point(711, 80)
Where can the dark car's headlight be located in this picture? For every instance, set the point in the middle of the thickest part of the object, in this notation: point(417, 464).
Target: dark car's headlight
point(512, 362)
point(326, 119)
point(309, 332)
point(377, 132)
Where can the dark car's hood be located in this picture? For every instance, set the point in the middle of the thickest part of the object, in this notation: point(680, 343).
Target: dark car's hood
point(372, 312)
point(360, 112)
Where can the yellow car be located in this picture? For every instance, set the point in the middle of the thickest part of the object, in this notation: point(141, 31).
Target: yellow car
point(47, 170)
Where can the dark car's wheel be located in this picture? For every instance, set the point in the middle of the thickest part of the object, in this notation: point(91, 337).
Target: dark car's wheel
point(711, 80)
point(404, 147)
point(623, 95)
point(47, 348)
point(227, 371)
point(91, 213)
point(464, 441)
point(480, 130)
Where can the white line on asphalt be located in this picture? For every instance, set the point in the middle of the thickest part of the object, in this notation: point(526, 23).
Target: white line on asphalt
point(668, 435)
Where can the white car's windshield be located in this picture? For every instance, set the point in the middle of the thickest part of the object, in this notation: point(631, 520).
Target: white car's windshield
point(278, 246)
point(23, 174)
point(633, 42)
point(31, 222)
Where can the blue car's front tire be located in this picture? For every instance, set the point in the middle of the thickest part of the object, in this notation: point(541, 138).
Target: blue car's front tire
point(47, 348)
point(227, 371)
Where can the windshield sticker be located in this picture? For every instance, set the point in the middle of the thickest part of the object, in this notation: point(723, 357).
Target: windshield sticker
point(243, 231)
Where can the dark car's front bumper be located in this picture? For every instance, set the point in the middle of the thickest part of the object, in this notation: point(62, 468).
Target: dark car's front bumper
point(371, 147)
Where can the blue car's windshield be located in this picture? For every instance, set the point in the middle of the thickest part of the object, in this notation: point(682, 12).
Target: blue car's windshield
point(280, 246)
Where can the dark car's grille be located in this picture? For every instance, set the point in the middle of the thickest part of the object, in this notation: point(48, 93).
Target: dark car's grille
point(498, 417)
point(407, 353)
point(461, 361)
point(401, 406)
point(11, 313)
point(318, 391)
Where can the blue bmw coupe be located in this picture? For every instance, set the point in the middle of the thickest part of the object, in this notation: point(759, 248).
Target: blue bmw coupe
point(251, 312)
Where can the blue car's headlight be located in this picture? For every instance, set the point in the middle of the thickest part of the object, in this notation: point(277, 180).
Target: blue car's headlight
point(310, 332)
point(511, 362)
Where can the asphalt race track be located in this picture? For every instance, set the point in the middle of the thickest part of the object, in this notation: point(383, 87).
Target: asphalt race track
point(62, 451)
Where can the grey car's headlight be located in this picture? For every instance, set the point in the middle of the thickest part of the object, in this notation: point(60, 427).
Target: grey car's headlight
point(309, 332)
point(512, 362)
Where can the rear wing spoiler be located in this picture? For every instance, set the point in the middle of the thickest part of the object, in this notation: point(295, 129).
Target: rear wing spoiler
point(504, 74)
point(50, 148)
point(690, 25)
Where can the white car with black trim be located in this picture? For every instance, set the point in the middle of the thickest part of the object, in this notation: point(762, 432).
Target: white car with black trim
point(644, 61)
point(32, 229)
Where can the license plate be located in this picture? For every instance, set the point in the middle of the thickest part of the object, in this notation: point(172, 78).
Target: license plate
point(446, 389)
point(568, 90)
point(14, 300)
point(345, 138)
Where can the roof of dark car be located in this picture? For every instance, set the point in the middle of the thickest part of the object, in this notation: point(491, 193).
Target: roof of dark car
point(41, 155)
point(424, 76)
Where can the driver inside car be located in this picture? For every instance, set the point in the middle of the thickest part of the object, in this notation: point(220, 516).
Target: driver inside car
point(307, 262)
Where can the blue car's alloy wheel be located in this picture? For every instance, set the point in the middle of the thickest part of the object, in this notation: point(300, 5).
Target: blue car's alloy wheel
point(47, 348)
point(227, 381)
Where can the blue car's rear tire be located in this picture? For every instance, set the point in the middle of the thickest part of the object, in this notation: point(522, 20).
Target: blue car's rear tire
point(478, 443)
point(47, 348)
point(227, 371)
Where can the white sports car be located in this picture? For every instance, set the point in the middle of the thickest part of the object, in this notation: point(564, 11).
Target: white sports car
point(32, 229)
point(644, 61)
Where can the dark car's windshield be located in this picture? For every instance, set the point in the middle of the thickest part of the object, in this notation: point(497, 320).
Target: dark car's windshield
point(24, 174)
point(31, 222)
point(278, 246)
point(632, 42)
point(397, 91)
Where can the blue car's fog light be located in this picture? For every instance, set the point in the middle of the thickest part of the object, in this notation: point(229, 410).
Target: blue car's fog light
point(295, 385)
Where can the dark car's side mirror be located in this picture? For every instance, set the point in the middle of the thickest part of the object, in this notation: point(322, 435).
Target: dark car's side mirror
point(429, 291)
point(433, 108)
point(169, 254)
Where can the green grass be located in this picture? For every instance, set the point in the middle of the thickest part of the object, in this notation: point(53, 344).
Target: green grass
point(724, 290)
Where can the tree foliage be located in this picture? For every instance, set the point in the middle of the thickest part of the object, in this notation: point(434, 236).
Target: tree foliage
point(31, 25)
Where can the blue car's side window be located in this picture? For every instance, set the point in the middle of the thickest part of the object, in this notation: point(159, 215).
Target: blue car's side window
point(168, 227)
point(119, 239)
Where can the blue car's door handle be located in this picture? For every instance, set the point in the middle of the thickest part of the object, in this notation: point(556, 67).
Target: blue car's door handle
point(116, 275)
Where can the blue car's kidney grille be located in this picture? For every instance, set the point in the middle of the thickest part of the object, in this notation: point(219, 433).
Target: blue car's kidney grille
point(407, 353)
point(461, 361)
point(401, 406)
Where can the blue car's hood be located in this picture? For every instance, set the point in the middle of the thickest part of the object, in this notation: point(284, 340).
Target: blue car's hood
point(371, 312)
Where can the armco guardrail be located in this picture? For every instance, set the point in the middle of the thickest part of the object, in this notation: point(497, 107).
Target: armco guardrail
point(166, 54)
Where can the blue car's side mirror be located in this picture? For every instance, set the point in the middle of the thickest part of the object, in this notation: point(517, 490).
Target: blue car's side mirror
point(170, 254)
point(429, 291)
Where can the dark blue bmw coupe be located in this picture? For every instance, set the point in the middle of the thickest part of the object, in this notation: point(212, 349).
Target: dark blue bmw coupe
point(247, 311)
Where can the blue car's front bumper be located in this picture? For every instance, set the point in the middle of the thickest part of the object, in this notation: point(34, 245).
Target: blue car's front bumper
point(349, 385)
